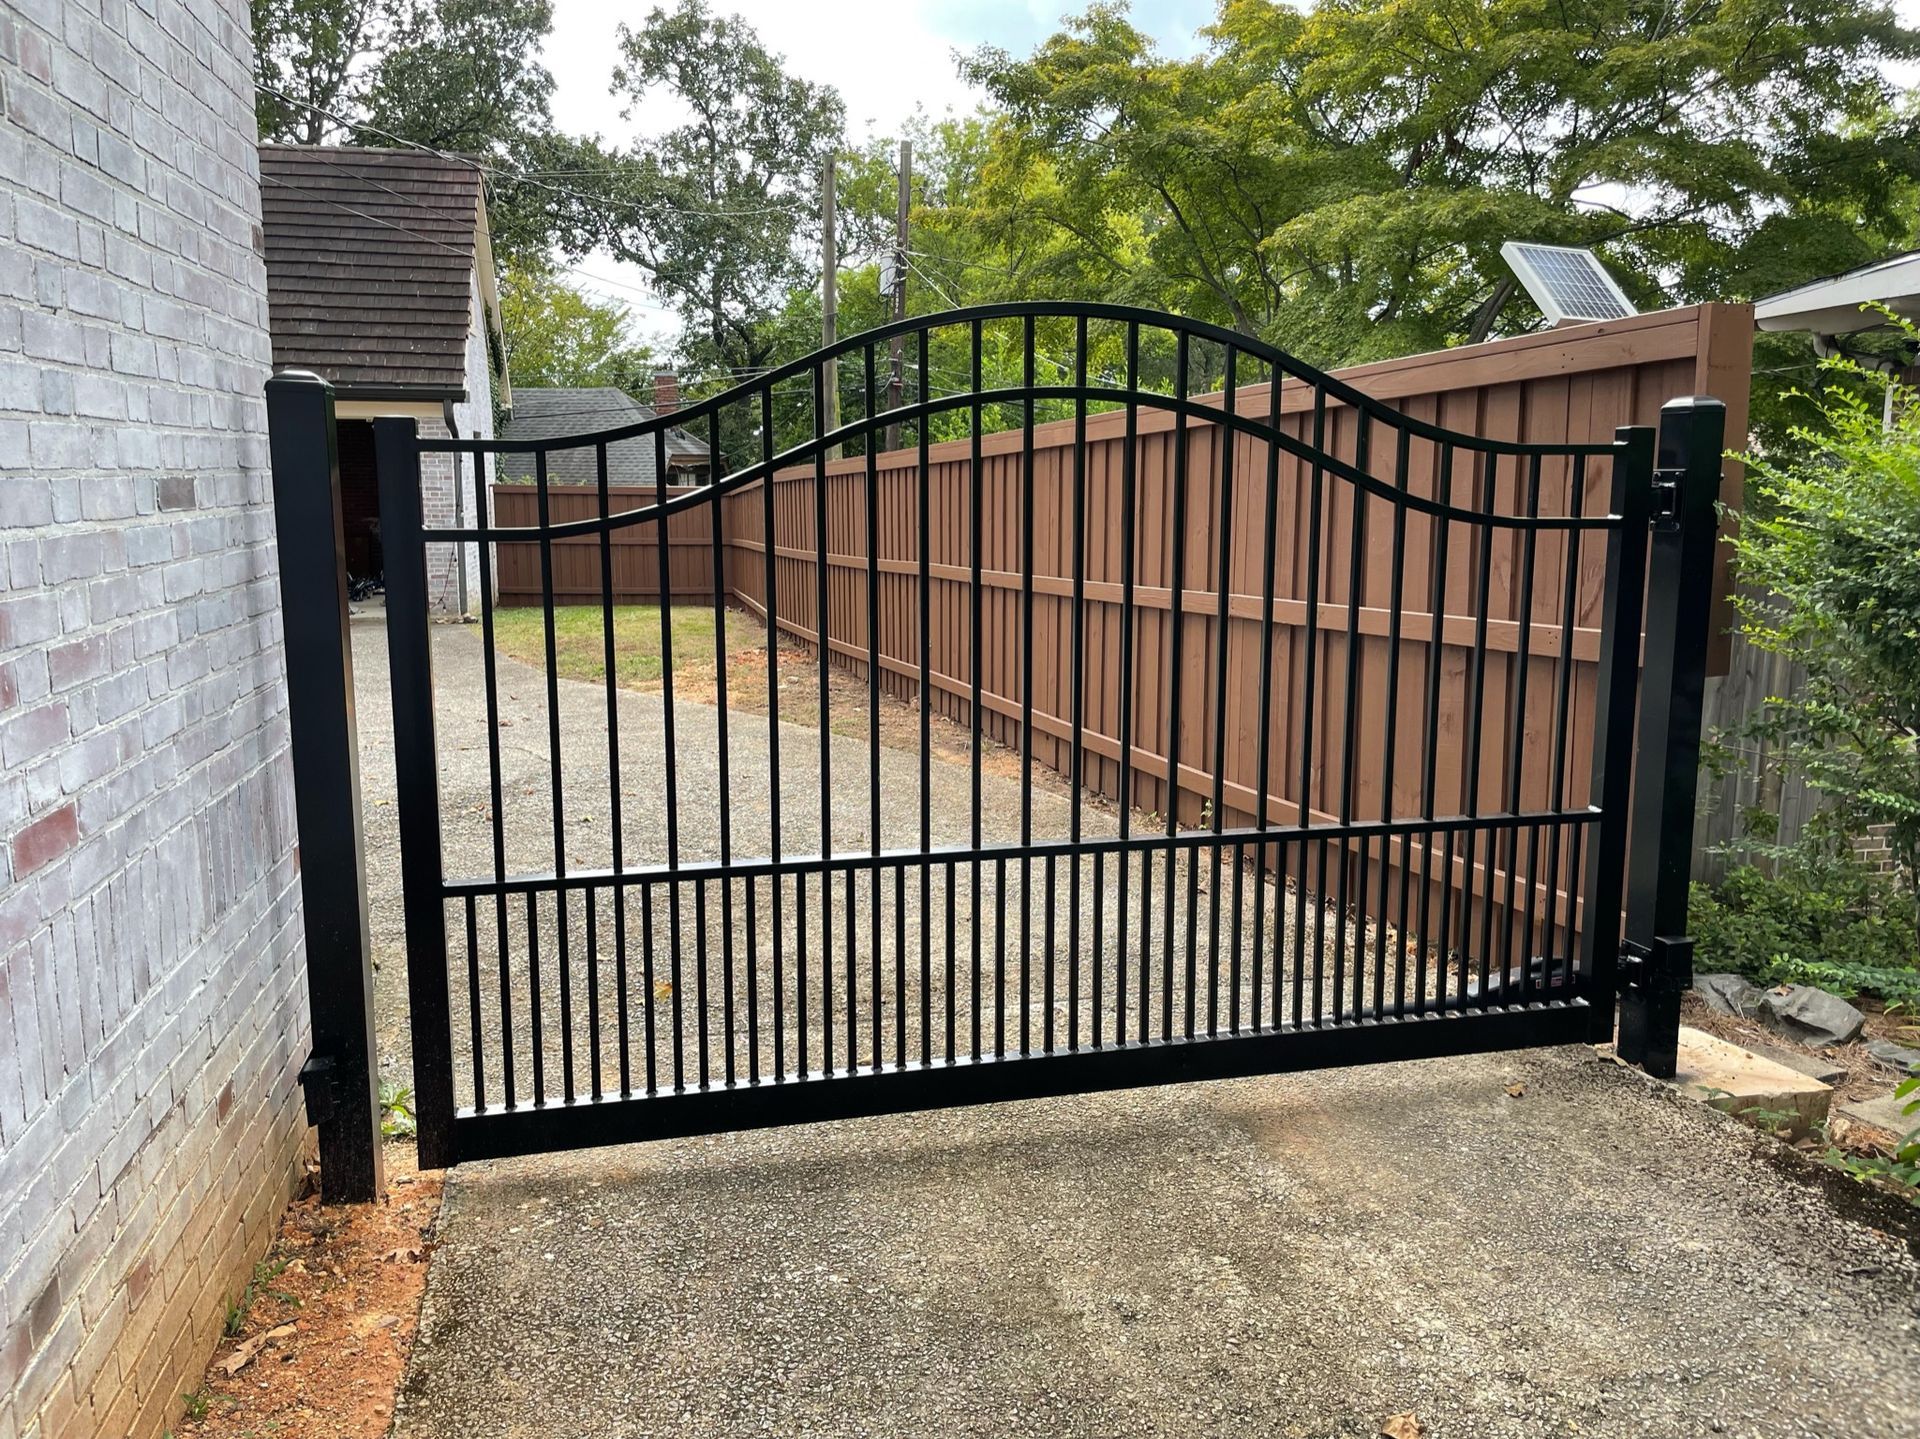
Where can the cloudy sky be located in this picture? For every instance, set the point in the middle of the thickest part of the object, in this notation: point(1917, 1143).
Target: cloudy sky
point(885, 57)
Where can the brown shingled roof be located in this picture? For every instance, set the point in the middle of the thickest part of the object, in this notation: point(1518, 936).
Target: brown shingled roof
point(370, 257)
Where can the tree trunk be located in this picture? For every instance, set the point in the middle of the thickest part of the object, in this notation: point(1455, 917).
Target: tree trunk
point(1489, 311)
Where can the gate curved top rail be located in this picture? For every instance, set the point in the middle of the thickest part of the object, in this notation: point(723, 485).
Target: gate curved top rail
point(1283, 366)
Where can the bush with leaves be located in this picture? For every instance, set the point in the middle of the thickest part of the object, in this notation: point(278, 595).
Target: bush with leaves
point(1829, 549)
point(1822, 919)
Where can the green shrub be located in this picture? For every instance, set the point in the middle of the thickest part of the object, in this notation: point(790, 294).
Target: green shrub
point(1824, 920)
point(396, 1110)
point(1829, 555)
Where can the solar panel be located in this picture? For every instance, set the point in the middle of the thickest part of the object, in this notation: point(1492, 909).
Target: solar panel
point(1567, 283)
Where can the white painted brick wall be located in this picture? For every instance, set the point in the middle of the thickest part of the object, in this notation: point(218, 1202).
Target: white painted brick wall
point(152, 1010)
point(473, 418)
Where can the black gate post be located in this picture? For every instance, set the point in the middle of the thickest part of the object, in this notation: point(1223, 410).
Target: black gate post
point(1657, 958)
point(340, 1077)
point(396, 459)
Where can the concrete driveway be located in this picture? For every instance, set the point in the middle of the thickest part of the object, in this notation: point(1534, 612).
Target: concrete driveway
point(1299, 1256)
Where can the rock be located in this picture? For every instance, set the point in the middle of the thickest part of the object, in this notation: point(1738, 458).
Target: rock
point(1811, 1016)
point(1727, 993)
point(1885, 1112)
point(1894, 1056)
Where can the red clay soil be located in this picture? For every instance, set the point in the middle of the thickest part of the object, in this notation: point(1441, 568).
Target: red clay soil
point(320, 1347)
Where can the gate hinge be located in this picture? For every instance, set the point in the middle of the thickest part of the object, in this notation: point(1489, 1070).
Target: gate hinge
point(1666, 963)
point(316, 1083)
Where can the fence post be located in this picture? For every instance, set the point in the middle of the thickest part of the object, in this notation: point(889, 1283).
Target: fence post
point(340, 1077)
point(396, 462)
point(1657, 958)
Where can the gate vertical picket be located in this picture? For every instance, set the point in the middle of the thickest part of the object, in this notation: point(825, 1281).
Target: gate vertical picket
point(417, 776)
point(1613, 720)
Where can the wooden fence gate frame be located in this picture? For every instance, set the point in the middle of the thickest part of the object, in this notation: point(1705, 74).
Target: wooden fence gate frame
point(1655, 515)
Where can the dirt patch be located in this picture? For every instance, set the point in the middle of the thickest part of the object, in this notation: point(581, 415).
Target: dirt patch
point(317, 1343)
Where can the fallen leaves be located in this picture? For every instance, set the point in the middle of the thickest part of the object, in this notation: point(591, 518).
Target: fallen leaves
point(1402, 1426)
point(243, 1355)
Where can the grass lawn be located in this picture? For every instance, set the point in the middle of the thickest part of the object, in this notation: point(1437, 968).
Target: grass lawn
point(580, 644)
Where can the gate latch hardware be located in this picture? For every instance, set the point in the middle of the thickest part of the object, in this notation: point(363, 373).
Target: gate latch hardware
point(1667, 962)
point(1651, 978)
point(1666, 501)
point(316, 1083)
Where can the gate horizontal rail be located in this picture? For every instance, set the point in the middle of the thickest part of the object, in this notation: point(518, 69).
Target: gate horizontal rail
point(1005, 941)
point(992, 1079)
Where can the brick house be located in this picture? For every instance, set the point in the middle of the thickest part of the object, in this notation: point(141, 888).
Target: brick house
point(153, 1017)
point(380, 280)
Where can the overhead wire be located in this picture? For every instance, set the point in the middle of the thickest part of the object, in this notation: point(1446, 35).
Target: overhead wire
point(514, 172)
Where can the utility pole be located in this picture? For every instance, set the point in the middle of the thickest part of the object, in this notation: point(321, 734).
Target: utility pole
point(896, 386)
point(829, 299)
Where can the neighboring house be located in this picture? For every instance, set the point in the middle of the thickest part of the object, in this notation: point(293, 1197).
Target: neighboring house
point(380, 280)
point(547, 414)
point(1832, 307)
point(153, 1009)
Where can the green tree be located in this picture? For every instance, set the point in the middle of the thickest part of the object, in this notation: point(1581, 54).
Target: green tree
point(304, 54)
point(1831, 561)
point(559, 335)
point(448, 74)
point(721, 211)
point(467, 79)
point(1339, 178)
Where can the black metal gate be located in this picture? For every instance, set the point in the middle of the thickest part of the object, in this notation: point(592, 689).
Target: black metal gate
point(667, 915)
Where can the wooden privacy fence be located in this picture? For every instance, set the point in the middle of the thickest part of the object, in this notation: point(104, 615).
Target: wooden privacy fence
point(635, 550)
point(1576, 384)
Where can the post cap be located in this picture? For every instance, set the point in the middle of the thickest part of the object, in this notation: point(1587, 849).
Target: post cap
point(296, 380)
point(1692, 434)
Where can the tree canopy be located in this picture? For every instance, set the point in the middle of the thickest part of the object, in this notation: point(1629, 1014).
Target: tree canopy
point(715, 210)
point(1336, 178)
point(1339, 179)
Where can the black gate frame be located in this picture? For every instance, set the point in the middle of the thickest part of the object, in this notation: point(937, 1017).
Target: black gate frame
point(1660, 528)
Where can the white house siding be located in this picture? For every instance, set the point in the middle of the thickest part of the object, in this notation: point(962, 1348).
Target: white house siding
point(152, 1013)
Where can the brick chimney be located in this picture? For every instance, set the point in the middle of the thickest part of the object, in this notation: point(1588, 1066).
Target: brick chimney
point(666, 392)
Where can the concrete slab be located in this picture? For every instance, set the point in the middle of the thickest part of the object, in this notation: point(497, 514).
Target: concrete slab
point(1885, 1112)
point(1766, 1094)
point(1814, 1066)
point(1509, 1246)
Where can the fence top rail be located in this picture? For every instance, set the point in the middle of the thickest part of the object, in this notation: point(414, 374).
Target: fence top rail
point(1283, 366)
